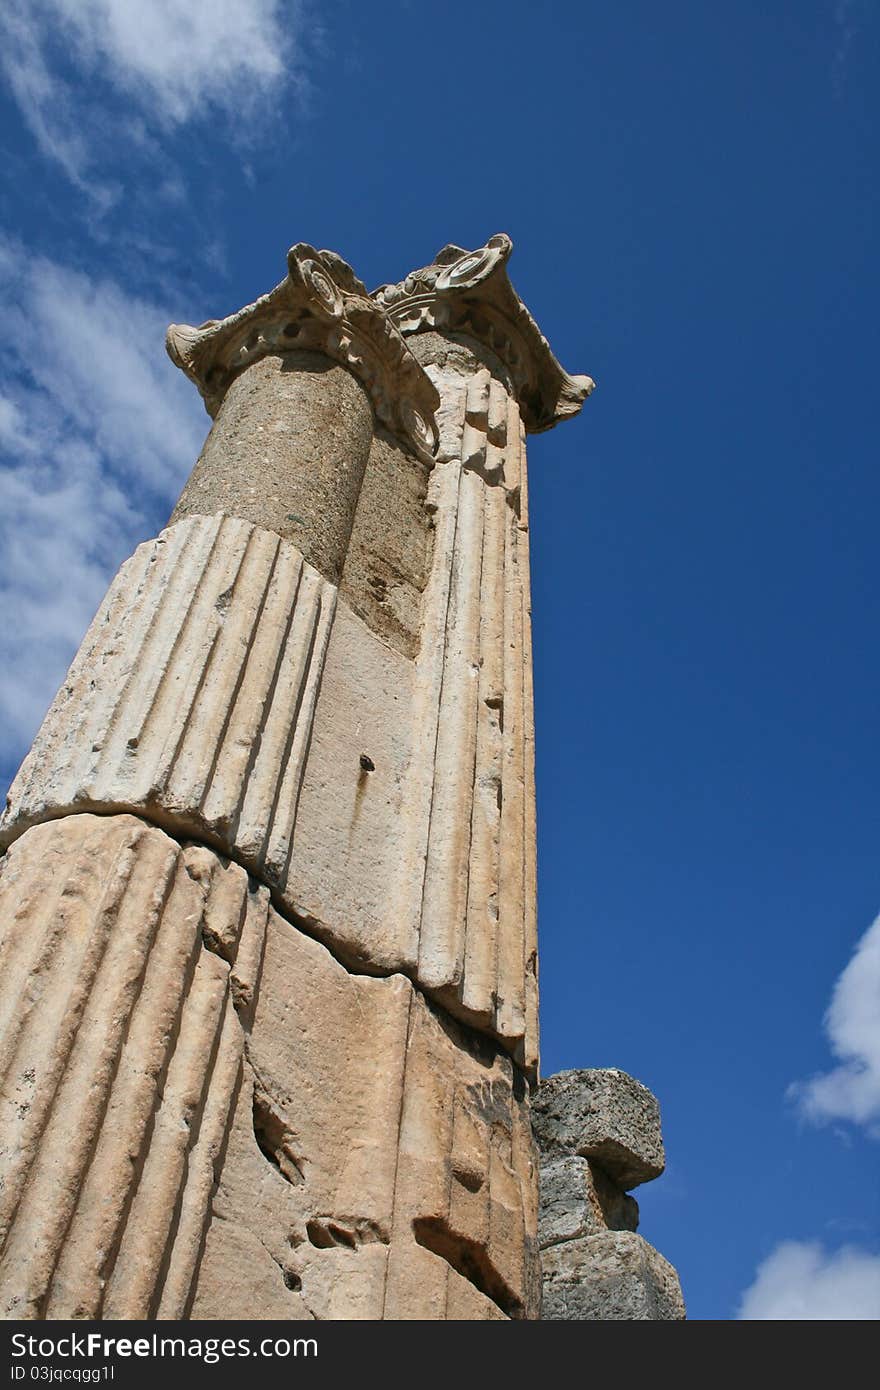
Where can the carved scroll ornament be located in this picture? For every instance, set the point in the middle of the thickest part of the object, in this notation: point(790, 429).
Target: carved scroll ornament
point(469, 292)
point(323, 307)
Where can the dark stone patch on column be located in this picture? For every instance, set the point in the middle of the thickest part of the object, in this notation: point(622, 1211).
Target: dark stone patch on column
point(287, 452)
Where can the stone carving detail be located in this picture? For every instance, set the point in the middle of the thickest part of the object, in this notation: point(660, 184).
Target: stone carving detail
point(469, 292)
point(130, 969)
point(192, 697)
point(598, 1132)
point(321, 306)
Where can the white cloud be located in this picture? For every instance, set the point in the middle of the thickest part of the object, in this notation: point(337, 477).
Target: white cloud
point(800, 1281)
point(851, 1090)
point(44, 103)
point(170, 59)
point(97, 434)
point(177, 55)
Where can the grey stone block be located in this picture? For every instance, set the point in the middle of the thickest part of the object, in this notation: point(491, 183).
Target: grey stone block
point(613, 1277)
point(604, 1115)
point(577, 1199)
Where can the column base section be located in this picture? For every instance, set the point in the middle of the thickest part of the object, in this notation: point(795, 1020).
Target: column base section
point(204, 1114)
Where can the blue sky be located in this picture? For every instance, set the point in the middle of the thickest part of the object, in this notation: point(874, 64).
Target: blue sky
point(692, 194)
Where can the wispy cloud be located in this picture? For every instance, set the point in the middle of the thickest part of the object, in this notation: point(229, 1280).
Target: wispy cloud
point(44, 102)
point(801, 1281)
point(93, 74)
point(97, 433)
point(847, 22)
point(851, 1090)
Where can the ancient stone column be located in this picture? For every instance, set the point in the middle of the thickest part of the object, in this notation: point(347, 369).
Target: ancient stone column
point(268, 982)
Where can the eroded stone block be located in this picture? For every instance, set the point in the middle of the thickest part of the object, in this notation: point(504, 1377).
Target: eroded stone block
point(380, 1159)
point(614, 1276)
point(577, 1199)
point(240, 1127)
point(602, 1114)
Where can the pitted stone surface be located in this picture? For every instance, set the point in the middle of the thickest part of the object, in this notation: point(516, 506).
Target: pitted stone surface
point(598, 1132)
point(577, 1199)
point(390, 551)
point(615, 1276)
point(605, 1115)
point(287, 452)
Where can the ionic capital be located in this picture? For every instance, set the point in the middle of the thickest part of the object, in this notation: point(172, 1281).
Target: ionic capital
point(469, 292)
point(321, 306)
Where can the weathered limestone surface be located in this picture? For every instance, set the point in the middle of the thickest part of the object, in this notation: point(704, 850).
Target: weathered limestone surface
point(391, 547)
point(392, 1174)
point(268, 948)
point(578, 1199)
point(594, 1266)
point(162, 1028)
point(128, 972)
point(469, 871)
point(288, 452)
point(615, 1276)
point(603, 1114)
point(192, 698)
point(393, 813)
point(194, 701)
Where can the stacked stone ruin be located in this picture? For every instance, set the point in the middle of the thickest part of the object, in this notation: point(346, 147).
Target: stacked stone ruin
point(268, 947)
point(598, 1134)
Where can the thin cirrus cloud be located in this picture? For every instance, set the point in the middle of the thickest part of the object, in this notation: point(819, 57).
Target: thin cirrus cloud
point(850, 1090)
point(801, 1281)
point(91, 76)
point(97, 434)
